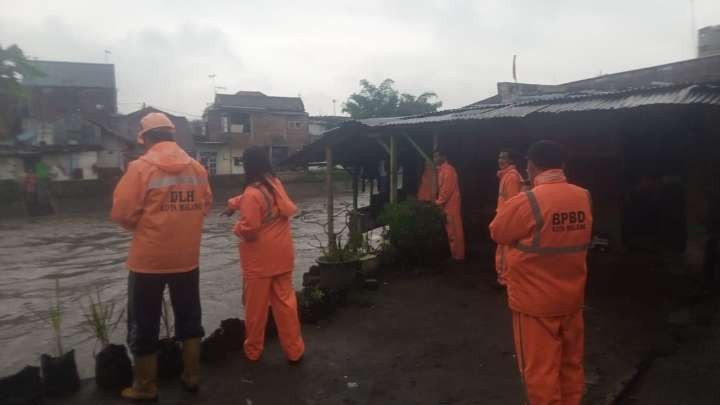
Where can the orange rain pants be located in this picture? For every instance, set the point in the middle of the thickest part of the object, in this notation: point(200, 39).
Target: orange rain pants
point(550, 357)
point(279, 292)
point(449, 200)
point(267, 258)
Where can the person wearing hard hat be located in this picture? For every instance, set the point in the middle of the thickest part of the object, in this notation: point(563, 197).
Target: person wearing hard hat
point(449, 200)
point(511, 183)
point(267, 257)
point(162, 199)
point(549, 231)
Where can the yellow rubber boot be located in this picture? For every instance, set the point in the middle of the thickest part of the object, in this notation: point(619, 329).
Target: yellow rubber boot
point(191, 365)
point(144, 388)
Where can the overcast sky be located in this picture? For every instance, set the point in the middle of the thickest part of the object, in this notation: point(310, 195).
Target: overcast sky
point(164, 51)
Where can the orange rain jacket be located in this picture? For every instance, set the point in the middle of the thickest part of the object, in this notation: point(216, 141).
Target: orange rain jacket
point(163, 198)
point(449, 200)
point(425, 190)
point(266, 245)
point(510, 186)
point(549, 230)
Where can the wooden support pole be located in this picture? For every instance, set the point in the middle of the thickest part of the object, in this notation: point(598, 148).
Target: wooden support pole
point(355, 185)
point(330, 199)
point(434, 172)
point(419, 150)
point(393, 170)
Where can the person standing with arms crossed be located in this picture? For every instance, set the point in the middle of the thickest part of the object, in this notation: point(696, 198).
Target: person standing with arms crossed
point(162, 199)
point(549, 231)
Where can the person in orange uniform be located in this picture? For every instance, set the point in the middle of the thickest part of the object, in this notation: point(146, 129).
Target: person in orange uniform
point(449, 200)
point(426, 184)
point(511, 183)
point(267, 257)
point(162, 199)
point(549, 231)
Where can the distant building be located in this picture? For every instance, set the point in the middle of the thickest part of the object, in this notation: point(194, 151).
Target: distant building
point(318, 125)
point(127, 127)
point(70, 87)
point(236, 121)
point(61, 121)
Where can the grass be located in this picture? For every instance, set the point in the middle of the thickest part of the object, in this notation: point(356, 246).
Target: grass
point(100, 320)
point(56, 317)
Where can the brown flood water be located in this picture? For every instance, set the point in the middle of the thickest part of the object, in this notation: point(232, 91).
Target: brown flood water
point(86, 251)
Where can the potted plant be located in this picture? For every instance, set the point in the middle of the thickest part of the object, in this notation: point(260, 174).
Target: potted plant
point(113, 369)
point(311, 305)
point(234, 332)
point(23, 387)
point(214, 348)
point(60, 373)
point(337, 265)
point(369, 256)
point(169, 360)
point(416, 233)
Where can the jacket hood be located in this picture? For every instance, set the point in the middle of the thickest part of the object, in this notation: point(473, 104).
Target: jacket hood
point(286, 206)
point(168, 157)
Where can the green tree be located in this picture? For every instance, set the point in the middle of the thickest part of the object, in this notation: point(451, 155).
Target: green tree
point(385, 101)
point(14, 66)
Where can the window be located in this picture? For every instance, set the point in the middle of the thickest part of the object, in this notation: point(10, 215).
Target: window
point(295, 124)
point(239, 123)
point(209, 160)
point(237, 161)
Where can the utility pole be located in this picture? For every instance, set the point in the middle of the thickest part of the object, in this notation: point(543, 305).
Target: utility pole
point(334, 112)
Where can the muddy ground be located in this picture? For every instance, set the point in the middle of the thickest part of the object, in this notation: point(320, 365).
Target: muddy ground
point(445, 338)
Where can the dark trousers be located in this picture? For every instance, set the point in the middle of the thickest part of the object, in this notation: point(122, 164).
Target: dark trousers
point(145, 294)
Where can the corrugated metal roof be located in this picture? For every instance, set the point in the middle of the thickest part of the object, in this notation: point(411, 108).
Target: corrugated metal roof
point(705, 94)
point(708, 94)
point(72, 74)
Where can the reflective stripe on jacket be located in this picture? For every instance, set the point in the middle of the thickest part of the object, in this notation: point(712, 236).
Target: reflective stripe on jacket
point(163, 198)
point(549, 230)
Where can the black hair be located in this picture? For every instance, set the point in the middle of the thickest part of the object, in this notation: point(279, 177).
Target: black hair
point(547, 155)
point(257, 167)
point(513, 156)
point(158, 135)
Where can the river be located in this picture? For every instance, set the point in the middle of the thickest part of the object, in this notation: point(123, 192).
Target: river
point(86, 252)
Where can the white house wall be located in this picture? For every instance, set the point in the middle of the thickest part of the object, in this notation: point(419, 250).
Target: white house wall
point(11, 168)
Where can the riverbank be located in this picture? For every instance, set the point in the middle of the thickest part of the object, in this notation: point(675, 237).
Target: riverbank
point(78, 196)
point(85, 251)
point(447, 339)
